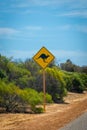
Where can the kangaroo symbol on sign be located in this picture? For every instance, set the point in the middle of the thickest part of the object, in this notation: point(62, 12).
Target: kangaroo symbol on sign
point(43, 57)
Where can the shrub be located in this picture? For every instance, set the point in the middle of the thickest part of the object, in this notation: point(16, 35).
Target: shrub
point(31, 97)
point(38, 110)
point(77, 84)
point(83, 78)
point(14, 99)
point(9, 95)
point(55, 84)
point(48, 97)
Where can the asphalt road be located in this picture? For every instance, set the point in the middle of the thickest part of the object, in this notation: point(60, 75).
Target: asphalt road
point(78, 124)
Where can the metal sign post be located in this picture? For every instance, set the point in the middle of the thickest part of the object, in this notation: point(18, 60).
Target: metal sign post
point(43, 58)
point(44, 91)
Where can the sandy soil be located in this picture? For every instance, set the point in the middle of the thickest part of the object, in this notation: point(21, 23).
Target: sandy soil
point(55, 117)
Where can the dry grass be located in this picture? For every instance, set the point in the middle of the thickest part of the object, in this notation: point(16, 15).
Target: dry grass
point(56, 116)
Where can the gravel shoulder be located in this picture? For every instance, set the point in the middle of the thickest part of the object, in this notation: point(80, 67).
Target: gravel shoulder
point(55, 117)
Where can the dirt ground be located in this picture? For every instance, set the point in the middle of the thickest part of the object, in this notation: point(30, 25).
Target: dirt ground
point(55, 117)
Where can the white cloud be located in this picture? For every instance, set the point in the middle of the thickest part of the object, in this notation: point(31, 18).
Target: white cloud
point(79, 4)
point(75, 14)
point(8, 31)
point(68, 3)
point(64, 27)
point(25, 33)
point(27, 11)
point(21, 5)
point(28, 3)
point(50, 2)
point(74, 27)
point(34, 28)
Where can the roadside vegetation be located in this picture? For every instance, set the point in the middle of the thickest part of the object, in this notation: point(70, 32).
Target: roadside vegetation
point(21, 84)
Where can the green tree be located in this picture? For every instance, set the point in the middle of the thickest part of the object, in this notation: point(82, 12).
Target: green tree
point(20, 76)
point(31, 66)
point(84, 69)
point(68, 66)
point(3, 62)
point(2, 74)
point(83, 78)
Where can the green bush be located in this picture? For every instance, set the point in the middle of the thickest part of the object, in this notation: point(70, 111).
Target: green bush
point(31, 97)
point(68, 80)
point(75, 82)
point(55, 84)
point(48, 97)
point(9, 95)
point(12, 98)
point(77, 85)
point(38, 110)
point(2, 74)
point(83, 77)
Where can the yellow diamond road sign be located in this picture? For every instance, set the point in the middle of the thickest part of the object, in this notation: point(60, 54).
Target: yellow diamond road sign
point(43, 57)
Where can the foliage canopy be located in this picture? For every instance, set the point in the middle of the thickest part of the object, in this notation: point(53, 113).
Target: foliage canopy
point(21, 83)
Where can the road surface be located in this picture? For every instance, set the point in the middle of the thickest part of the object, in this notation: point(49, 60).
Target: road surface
point(78, 124)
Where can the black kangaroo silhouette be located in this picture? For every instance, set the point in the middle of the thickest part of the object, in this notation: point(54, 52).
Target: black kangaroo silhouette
point(44, 57)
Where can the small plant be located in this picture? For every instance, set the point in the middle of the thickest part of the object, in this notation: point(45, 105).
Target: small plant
point(48, 97)
point(38, 110)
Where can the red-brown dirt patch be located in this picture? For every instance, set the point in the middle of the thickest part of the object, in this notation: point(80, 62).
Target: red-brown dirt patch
point(56, 116)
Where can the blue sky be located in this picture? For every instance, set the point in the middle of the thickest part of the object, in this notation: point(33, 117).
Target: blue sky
point(60, 26)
